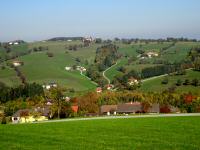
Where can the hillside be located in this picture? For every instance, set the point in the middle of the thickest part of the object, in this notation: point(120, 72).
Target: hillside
point(40, 68)
point(155, 84)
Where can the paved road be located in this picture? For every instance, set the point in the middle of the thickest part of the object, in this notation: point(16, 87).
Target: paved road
point(123, 117)
point(107, 70)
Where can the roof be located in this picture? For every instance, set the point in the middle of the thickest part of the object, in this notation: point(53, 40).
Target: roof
point(108, 108)
point(129, 108)
point(43, 110)
point(19, 112)
point(74, 108)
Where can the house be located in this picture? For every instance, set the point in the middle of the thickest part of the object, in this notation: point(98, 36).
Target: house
point(68, 68)
point(108, 109)
point(87, 39)
point(152, 54)
point(17, 63)
point(99, 90)
point(130, 108)
point(74, 108)
point(79, 68)
point(50, 85)
point(109, 87)
point(133, 81)
point(31, 115)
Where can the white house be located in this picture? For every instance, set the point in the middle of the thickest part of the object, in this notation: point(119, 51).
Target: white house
point(68, 68)
point(133, 81)
point(17, 63)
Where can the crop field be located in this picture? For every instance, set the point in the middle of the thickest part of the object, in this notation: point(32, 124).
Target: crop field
point(118, 134)
point(156, 85)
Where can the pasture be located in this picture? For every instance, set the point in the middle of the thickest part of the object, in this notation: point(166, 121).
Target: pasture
point(156, 85)
point(118, 134)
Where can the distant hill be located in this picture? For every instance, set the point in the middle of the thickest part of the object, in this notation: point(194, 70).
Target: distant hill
point(65, 38)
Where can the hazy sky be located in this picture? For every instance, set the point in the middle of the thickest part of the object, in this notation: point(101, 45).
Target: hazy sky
point(41, 19)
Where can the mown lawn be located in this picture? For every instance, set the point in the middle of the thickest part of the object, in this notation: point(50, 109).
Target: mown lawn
point(177, 133)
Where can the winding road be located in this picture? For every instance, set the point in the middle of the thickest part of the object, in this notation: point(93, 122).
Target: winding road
point(106, 71)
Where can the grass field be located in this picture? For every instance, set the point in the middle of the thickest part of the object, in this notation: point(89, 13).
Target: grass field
point(177, 133)
point(156, 86)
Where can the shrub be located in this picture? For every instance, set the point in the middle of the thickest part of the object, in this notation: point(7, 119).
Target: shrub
point(3, 121)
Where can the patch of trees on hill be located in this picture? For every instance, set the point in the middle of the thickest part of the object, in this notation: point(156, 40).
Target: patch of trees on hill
point(13, 93)
point(106, 56)
point(194, 56)
point(65, 38)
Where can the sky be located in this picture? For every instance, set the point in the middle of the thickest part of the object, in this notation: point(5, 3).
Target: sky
point(32, 20)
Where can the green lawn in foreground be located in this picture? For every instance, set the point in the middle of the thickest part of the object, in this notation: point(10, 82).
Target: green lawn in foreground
point(177, 133)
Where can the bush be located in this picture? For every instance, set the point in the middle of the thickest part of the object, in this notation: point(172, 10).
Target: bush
point(49, 54)
point(3, 121)
point(165, 80)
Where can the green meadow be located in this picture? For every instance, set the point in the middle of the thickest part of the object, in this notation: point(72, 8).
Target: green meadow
point(156, 85)
point(177, 133)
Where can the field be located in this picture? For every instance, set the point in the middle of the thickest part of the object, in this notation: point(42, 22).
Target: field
point(116, 134)
point(38, 67)
point(156, 86)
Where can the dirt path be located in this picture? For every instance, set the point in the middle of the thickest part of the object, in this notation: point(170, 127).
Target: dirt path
point(107, 70)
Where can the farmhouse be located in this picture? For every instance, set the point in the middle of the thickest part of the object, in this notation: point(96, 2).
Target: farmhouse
point(50, 85)
point(109, 87)
point(99, 90)
point(68, 68)
point(79, 68)
point(130, 108)
point(108, 109)
point(29, 115)
point(152, 54)
point(17, 63)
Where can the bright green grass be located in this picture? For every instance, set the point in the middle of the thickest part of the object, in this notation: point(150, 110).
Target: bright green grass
point(156, 86)
point(112, 72)
point(8, 77)
point(179, 51)
point(38, 67)
point(177, 133)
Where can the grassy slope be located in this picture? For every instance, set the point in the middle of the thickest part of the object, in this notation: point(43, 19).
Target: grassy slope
point(8, 76)
point(141, 133)
point(42, 69)
point(155, 84)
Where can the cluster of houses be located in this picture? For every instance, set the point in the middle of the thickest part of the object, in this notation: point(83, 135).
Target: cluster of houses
point(87, 39)
point(38, 113)
point(49, 86)
point(43, 113)
point(79, 68)
point(13, 43)
point(108, 87)
point(133, 108)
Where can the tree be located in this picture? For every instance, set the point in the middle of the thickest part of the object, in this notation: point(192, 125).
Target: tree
point(195, 82)
point(56, 94)
point(179, 82)
point(186, 82)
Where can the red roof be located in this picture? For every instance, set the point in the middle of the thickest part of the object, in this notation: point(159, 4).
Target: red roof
point(74, 108)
